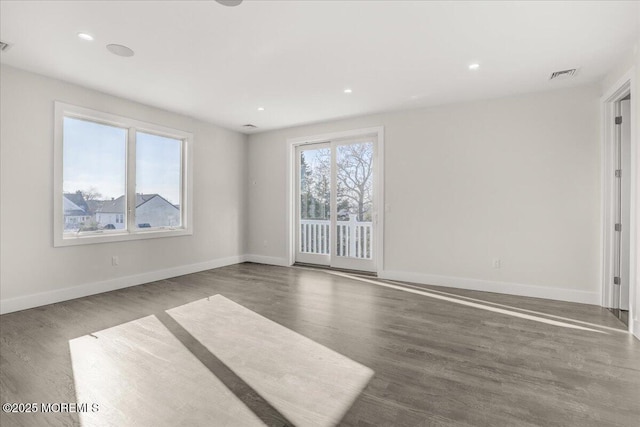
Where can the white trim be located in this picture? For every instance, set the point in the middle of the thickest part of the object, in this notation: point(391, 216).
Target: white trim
point(292, 204)
point(132, 126)
point(130, 171)
point(379, 203)
point(326, 137)
point(627, 83)
point(553, 293)
point(96, 238)
point(43, 298)
point(381, 207)
point(269, 260)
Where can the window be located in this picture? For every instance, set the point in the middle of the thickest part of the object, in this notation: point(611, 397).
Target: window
point(118, 179)
point(158, 181)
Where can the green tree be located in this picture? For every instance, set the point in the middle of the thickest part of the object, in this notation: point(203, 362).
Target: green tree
point(307, 200)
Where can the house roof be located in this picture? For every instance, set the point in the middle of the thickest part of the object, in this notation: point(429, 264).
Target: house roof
point(117, 205)
point(74, 204)
point(94, 205)
point(113, 206)
point(71, 209)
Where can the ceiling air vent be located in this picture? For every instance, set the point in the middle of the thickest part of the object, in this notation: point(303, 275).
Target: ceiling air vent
point(4, 46)
point(564, 74)
point(250, 126)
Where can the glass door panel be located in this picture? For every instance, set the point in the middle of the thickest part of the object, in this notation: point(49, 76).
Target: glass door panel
point(313, 238)
point(354, 225)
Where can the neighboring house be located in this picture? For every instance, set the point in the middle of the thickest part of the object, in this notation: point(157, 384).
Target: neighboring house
point(111, 212)
point(156, 211)
point(76, 211)
point(151, 209)
point(94, 206)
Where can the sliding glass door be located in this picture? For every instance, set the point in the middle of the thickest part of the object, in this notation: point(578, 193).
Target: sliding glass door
point(335, 204)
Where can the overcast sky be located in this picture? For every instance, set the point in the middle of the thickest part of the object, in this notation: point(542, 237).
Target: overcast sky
point(94, 158)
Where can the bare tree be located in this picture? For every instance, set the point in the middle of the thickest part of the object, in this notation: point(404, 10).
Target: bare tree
point(355, 177)
point(91, 193)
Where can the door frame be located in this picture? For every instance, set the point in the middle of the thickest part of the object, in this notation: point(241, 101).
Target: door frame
point(615, 93)
point(380, 206)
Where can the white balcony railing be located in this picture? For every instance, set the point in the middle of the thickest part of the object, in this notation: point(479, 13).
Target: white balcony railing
point(353, 238)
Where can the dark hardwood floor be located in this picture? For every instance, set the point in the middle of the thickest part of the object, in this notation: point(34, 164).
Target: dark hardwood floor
point(436, 363)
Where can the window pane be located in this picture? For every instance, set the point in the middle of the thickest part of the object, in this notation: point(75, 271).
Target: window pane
point(315, 200)
point(158, 183)
point(94, 158)
point(354, 199)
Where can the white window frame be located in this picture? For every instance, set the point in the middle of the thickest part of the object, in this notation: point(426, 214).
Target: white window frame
point(131, 232)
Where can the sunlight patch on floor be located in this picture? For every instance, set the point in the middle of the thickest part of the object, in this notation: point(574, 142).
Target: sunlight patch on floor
point(305, 381)
point(141, 375)
point(524, 310)
point(483, 305)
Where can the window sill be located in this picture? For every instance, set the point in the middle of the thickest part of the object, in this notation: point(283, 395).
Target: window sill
point(109, 237)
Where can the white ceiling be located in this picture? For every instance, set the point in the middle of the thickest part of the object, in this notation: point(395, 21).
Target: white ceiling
point(295, 58)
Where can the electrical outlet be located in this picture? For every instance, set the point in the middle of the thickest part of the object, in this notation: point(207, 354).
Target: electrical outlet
point(115, 260)
point(497, 263)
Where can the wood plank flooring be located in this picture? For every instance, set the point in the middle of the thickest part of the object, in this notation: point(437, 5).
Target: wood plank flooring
point(436, 363)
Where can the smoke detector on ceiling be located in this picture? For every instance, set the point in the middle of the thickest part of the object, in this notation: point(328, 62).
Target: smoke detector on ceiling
point(230, 3)
point(4, 46)
point(564, 74)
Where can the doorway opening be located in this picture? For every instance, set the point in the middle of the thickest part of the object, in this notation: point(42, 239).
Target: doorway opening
point(622, 212)
point(619, 187)
point(336, 194)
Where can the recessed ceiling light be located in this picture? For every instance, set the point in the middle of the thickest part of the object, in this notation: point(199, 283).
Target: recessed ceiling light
point(85, 36)
point(260, 108)
point(474, 66)
point(348, 91)
point(120, 50)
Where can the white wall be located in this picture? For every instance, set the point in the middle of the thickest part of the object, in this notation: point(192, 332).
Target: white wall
point(516, 179)
point(636, 96)
point(33, 272)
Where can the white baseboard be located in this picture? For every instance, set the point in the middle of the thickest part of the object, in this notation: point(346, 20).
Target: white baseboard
point(636, 328)
point(560, 294)
point(261, 259)
point(36, 300)
point(44, 298)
